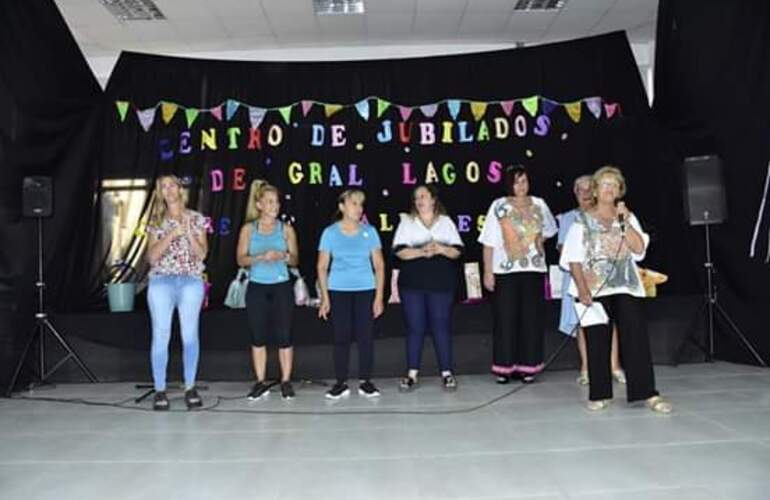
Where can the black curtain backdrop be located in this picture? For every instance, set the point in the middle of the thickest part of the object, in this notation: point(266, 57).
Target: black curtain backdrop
point(712, 94)
point(601, 66)
point(57, 122)
point(49, 100)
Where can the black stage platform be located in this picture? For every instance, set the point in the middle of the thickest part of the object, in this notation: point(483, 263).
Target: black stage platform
point(116, 345)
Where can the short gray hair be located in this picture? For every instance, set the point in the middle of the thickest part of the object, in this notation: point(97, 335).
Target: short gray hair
point(582, 178)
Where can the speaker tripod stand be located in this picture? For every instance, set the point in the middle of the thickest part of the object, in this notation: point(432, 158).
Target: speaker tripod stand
point(712, 310)
point(44, 326)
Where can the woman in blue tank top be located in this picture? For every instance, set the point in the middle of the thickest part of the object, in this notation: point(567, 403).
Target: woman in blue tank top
point(268, 247)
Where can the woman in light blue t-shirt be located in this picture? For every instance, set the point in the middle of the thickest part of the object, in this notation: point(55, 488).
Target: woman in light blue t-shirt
point(351, 289)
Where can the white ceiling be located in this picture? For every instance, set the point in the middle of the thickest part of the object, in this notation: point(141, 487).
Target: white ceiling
point(211, 26)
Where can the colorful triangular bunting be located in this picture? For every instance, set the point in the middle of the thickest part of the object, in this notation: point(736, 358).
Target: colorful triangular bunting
point(405, 112)
point(429, 110)
point(256, 115)
point(610, 109)
point(330, 109)
point(454, 108)
point(306, 106)
point(594, 105)
point(382, 106)
point(122, 109)
point(191, 114)
point(217, 112)
point(167, 111)
point(548, 105)
point(286, 113)
point(573, 110)
point(146, 117)
point(507, 107)
point(362, 107)
point(530, 104)
point(232, 108)
point(478, 109)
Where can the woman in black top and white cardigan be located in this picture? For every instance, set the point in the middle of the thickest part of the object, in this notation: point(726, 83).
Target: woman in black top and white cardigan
point(428, 245)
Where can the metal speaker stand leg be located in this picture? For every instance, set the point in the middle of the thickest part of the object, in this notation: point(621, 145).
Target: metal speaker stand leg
point(43, 327)
point(712, 308)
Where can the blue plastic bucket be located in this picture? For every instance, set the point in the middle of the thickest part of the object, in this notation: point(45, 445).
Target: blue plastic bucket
point(121, 296)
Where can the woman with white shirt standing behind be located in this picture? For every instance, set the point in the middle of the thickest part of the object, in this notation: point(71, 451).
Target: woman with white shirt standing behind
point(514, 230)
point(428, 245)
point(601, 251)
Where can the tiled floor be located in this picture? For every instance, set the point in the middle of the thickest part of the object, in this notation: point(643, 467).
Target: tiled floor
point(538, 442)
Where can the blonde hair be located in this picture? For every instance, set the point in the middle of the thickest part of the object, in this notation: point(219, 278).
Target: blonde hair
point(609, 171)
point(159, 207)
point(258, 189)
point(346, 195)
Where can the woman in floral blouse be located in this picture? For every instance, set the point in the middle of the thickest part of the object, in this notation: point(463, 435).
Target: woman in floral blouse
point(514, 268)
point(176, 249)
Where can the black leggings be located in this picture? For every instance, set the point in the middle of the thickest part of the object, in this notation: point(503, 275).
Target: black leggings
point(352, 316)
point(266, 302)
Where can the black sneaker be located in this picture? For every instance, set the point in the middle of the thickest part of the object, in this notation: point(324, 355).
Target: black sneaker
point(160, 401)
point(503, 379)
point(192, 399)
point(528, 379)
point(337, 391)
point(407, 384)
point(287, 391)
point(450, 382)
point(260, 389)
point(368, 389)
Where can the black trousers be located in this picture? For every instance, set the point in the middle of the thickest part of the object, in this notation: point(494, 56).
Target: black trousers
point(518, 301)
point(352, 317)
point(634, 344)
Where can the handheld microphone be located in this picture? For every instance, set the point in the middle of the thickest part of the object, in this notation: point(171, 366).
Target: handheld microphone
point(621, 217)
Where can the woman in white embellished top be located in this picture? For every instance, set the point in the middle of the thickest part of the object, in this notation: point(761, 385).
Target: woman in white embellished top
point(514, 267)
point(601, 251)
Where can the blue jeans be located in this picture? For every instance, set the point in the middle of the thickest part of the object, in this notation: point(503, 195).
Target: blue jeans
point(424, 310)
point(164, 294)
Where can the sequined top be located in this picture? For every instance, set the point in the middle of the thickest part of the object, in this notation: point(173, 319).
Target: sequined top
point(609, 266)
point(513, 234)
point(179, 258)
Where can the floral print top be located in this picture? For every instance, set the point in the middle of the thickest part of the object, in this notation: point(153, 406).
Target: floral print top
point(516, 235)
point(179, 258)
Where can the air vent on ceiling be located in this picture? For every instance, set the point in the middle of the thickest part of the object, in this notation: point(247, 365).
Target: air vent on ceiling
point(338, 7)
point(133, 10)
point(530, 5)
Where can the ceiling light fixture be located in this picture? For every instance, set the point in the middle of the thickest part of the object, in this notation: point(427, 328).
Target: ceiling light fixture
point(539, 5)
point(338, 7)
point(133, 10)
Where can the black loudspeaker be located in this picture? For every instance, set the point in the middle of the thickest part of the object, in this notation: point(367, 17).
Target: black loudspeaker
point(37, 197)
point(704, 192)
